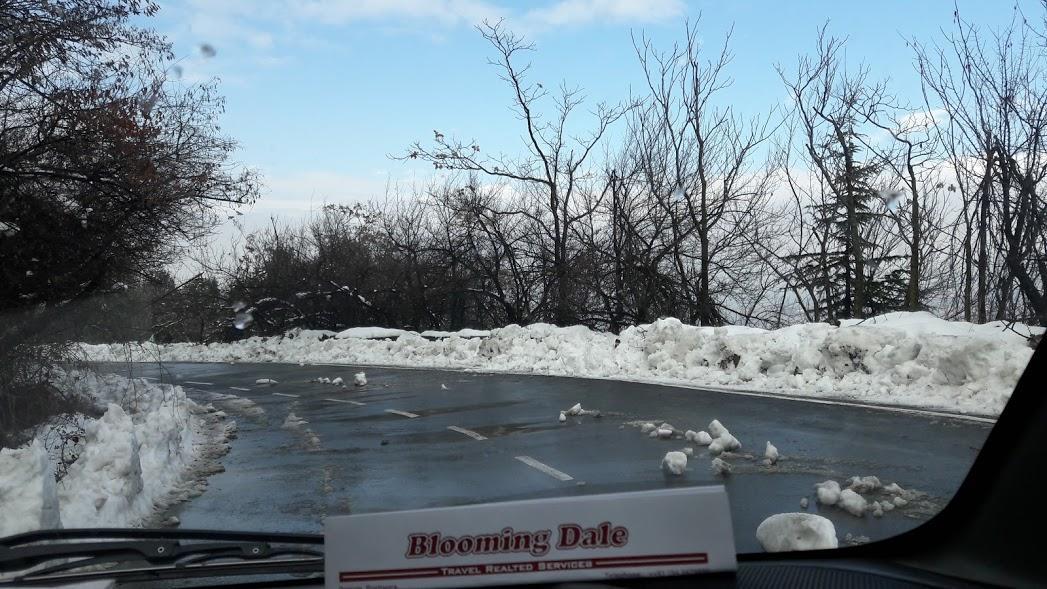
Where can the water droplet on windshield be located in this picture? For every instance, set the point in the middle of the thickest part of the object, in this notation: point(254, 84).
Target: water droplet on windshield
point(242, 320)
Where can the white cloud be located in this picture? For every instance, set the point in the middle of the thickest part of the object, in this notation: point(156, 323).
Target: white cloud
point(584, 12)
point(310, 190)
point(443, 12)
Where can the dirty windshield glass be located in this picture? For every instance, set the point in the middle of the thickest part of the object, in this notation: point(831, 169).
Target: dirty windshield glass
point(264, 263)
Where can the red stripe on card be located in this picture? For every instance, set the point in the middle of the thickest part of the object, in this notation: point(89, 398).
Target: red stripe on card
point(526, 566)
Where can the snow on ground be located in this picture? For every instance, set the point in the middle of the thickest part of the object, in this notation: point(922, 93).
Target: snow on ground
point(796, 531)
point(140, 455)
point(907, 359)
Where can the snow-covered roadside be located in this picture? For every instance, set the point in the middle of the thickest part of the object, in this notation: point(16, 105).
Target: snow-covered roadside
point(150, 448)
point(904, 359)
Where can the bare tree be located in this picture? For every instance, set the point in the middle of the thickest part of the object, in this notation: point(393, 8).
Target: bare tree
point(554, 169)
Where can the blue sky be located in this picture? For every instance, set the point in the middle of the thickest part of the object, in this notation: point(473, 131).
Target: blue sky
point(320, 92)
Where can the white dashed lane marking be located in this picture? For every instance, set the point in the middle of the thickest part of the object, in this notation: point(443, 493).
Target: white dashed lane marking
point(401, 413)
point(206, 384)
point(239, 389)
point(467, 432)
point(346, 401)
point(542, 467)
point(287, 395)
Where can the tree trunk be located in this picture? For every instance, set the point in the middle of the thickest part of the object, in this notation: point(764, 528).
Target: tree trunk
point(912, 294)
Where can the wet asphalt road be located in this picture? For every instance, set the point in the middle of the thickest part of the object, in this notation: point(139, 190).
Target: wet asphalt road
point(353, 455)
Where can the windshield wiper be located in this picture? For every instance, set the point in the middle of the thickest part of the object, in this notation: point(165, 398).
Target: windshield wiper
point(66, 556)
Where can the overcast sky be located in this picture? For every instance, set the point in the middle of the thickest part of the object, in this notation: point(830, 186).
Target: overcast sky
point(320, 92)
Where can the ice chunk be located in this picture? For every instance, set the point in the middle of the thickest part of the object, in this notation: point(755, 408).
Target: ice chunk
point(690, 435)
point(664, 433)
point(730, 443)
point(899, 502)
point(688, 451)
point(267, 381)
point(864, 484)
point(894, 489)
point(674, 462)
point(338, 381)
point(716, 429)
point(804, 503)
point(360, 379)
point(292, 421)
point(703, 438)
point(771, 453)
point(563, 417)
point(886, 506)
point(575, 410)
point(828, 492)
point(877, 509)
point(653, 434)
point(647, 428)
point(443, 387)
point(716, 447)
point(719, 467)
point(796, 531)
point(852, 503)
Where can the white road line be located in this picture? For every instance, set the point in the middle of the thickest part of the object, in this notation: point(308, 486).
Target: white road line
point(287, 395)
point(556, 474)
point(467, 432)
point(346, 401)
point(401, 413)
point(206, 384)
point(239, 389)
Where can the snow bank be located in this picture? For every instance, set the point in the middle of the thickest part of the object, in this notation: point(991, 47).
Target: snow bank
point(907, 359)
point(796, 531)
point(134, 459)
point(28, 496)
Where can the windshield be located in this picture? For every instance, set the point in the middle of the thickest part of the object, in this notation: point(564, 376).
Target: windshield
point(266, 263)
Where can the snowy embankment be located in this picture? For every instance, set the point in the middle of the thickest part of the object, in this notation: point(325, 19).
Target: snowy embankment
point(150, 448)
point(905, 359)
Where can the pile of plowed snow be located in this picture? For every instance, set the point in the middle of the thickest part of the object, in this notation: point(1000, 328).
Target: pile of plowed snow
point(133, 459)
point(907, 359)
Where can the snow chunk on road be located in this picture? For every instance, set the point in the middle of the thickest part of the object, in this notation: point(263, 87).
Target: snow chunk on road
point(563, 417)
point(292, 421)
point(719, 467)
point(716, 429)
point(804, 503)
point(785, 532)
point(688, 451)
point(828, 492)
point(703, 438)
point(28, 494)
point(360, 379)
point(716, 447)
point(646, 428)
point(729, 442)
point(663, 433)
point(267, 381)
point(338, 381)
point(674, 462)
point(865, 484)
point(770, 453)
point(576, 409)
point(852, 503)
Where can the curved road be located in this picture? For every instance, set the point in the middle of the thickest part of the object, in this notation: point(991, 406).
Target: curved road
point(422, 438)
